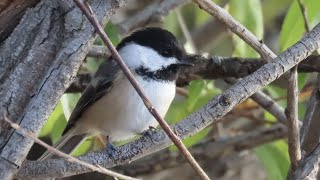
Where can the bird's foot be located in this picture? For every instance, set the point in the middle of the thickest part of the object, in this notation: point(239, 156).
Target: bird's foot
point(149, 132)
point(111, 150)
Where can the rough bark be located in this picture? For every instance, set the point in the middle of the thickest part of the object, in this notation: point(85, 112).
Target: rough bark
point(197, 121)
point(204, 68)
point(11, 12)
point(41, 58)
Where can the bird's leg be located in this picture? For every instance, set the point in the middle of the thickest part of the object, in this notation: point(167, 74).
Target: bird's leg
point(149, 131)
point(110, 148)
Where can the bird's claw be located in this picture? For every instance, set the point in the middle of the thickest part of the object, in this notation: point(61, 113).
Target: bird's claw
point(149, 131)
point(111, 150)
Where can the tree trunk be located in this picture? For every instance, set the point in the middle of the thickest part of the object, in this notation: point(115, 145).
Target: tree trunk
point(39, 60)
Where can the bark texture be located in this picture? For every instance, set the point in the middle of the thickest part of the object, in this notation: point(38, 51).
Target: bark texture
point(197, 121)
point(40, 60)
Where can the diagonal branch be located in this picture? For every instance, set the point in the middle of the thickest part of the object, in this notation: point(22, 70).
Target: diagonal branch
point(310, 130)
point(210, 150)
point(64, 155)
point(197, 121)
point(309, 166)
point(237, 28)
point(175, 139)
point(50, 43)
point(152, 13)
point(205, 68)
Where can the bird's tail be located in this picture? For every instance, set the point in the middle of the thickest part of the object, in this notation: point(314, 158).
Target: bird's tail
point(67, 144)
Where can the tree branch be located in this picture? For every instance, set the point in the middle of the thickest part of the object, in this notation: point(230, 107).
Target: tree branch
point(237, 28)
point(205, 151)
point(64, 155)
point(197, 121)
point(206, 68)
point(292, 120)
point(310, 130)
point(309, 166)
point(50, 43)
point(148, 104)
point(152, 13)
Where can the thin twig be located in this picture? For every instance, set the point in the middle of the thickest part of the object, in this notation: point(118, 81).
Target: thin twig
point(304, 15)
point(292, 119)
point(182, 91)
point(175, 139)
point(197, 121)
point(62, 154)
point(186, 33)
point(237, 28)
point(309, 166)
point(150, 14)
point(210, 150)
point(310, 130)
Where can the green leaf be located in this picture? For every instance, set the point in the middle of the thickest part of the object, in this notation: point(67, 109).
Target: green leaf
point(194, 93)
point(199, 93)
point(275, 159)
point(293, 26)
point(302, 79)
point(84, 147)
point(272, 9)
point(68, 102)
point(56, 115)
point(93, 64)
point(248, 13)
point(58, 128)
point(112, 32)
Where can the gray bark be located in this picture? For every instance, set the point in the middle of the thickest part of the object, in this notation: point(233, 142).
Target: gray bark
point(211, 112)
point(39, 60)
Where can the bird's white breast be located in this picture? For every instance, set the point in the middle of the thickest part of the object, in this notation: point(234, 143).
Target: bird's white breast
point(120, 114)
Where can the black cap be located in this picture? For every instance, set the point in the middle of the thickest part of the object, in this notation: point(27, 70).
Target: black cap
point(162, 41)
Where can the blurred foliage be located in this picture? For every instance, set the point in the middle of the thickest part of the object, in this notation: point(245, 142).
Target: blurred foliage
point(199, 93)
point(248, 13)
point(258, 16)
point(275, 159)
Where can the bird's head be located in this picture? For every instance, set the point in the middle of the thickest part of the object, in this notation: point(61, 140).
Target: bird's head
point(153, 53)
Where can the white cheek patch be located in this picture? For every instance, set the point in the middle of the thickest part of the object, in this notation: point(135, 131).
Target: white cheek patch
point(136, 56)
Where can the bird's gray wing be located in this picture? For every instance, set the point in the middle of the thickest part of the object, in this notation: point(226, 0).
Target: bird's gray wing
point(99, 86)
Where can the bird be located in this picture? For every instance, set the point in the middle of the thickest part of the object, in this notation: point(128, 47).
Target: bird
point(111, 107)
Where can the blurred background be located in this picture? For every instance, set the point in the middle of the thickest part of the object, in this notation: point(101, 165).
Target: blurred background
point(248, 143)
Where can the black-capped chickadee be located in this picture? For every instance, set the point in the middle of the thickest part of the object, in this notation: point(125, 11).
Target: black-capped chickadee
point(110, 106)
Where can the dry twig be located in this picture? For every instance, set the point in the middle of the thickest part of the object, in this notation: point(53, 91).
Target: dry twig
point(152, 13)
point(292, 119)
point(208, 114)
point(210, 150)
point(175, 139)
point(237, 28)
point(64, 155)
point(304, 15)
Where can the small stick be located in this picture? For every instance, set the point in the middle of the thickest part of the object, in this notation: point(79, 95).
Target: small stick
point(175, 139)
point(62, 154)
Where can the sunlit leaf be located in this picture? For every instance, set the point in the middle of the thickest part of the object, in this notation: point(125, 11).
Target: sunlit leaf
point(112, 32)
point(293, 25)
point(84, 147)
point(275, 159)
point(57, 115)
point(200, 92)
point(248, 13)
point(68, 102)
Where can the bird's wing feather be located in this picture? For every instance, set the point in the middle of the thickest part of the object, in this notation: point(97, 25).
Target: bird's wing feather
point(99, 86)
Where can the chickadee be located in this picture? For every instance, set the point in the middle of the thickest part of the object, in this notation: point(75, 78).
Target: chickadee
point(110, 106)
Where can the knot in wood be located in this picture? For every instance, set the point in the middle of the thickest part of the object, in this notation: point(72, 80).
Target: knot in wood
point(224, 101)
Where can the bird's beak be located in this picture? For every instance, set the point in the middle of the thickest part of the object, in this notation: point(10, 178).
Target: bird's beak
point(185, 63)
